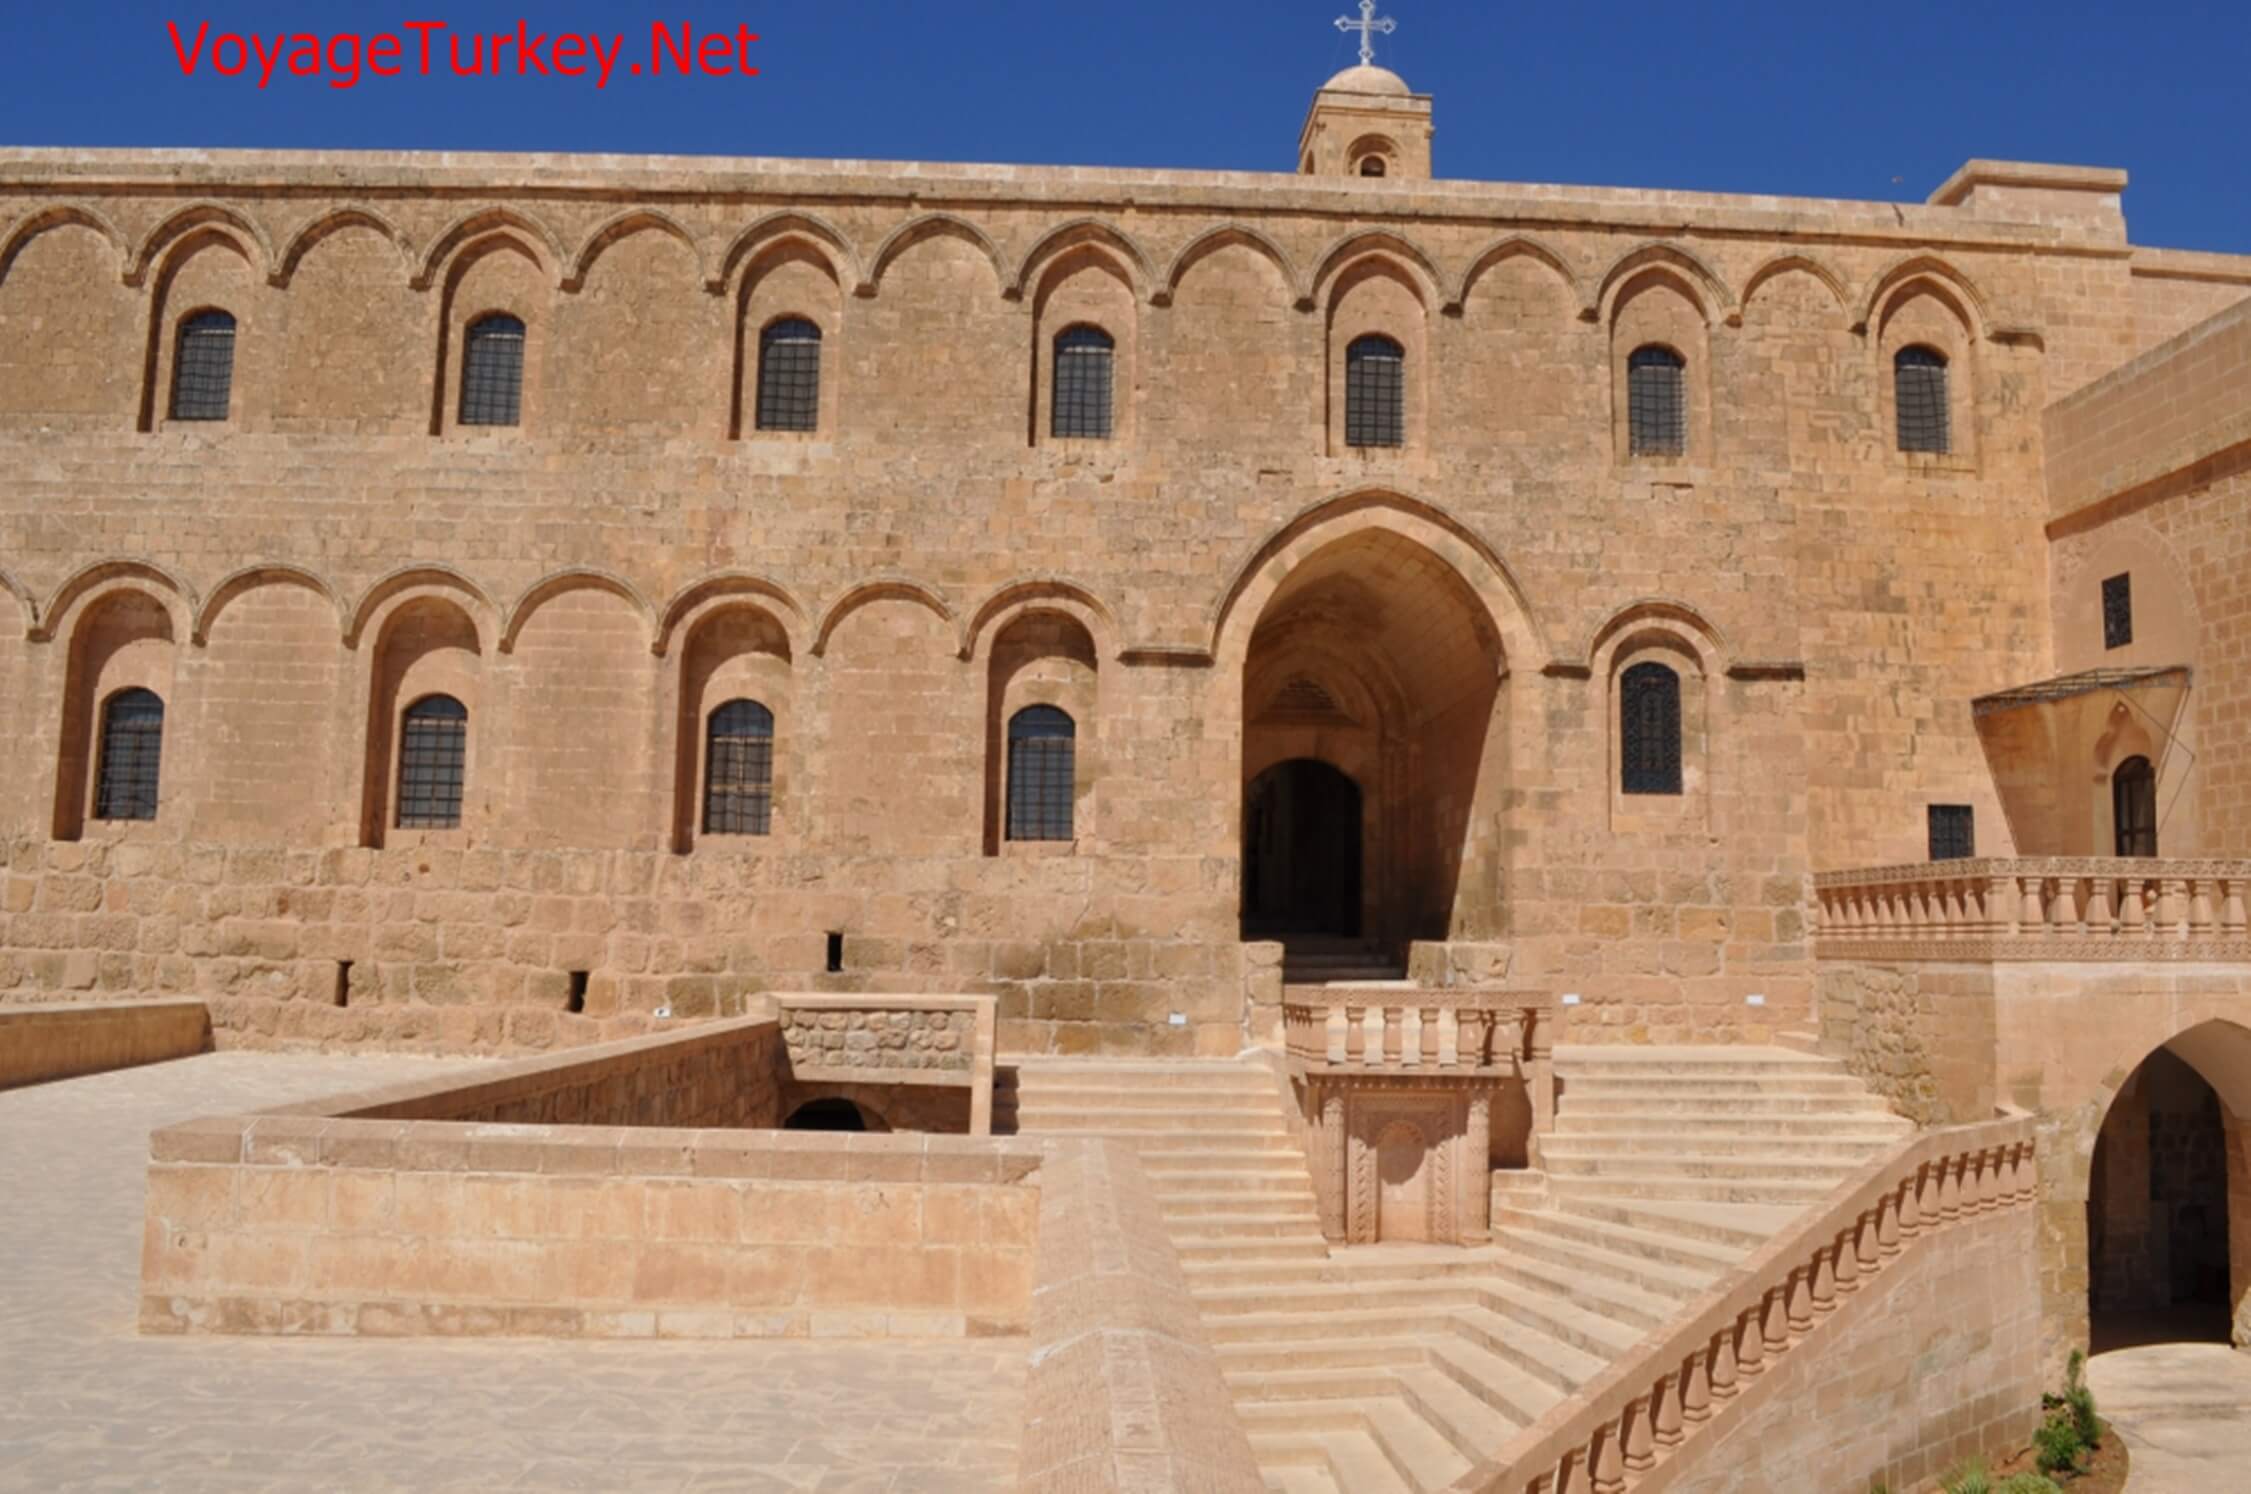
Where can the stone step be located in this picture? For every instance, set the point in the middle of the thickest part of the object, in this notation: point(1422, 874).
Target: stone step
point(1742, 1226)
point(1562, 1364)
point(1090, 1121)
point(1419, 1455)
point(1715, 1086)
point(1823, 1153)
point(1770, 1129)
point(1196, 1252)
point(1298, 1204)
point(1314, 1382)
point(1698, 1058)
point(1219, 1151)
point(1287, 1478)
point(1633, 1308)
point(1217, 1228)
point(1323, 1353)
point(1347, 1268)
point(1169, 1180)
point(1709, 1258)
point(1574, 1161)
point(1508, 1387)
point(1672, 1188)
point(1474, 1426)
point(1346, 1457)
point(1088, 1097)
point(1670, 1280)
point(1630, 1101)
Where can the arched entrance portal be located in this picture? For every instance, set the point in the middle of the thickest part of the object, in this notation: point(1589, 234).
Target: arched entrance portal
point(2158, 1205)
point(1372, 751)
point(1301, 852)
point(832, 1114)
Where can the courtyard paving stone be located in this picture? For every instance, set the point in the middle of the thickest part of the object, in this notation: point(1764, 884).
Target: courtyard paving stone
point(86, 1402)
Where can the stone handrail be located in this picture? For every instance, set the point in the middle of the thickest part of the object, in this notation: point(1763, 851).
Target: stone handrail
point(1399, 1027)
point(2037, 908)
point(1650, 1406)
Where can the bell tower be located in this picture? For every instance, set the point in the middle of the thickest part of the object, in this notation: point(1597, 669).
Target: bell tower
point(1366, 121)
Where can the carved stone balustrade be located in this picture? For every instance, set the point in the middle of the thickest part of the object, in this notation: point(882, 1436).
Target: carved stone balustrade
point(2037, 908)
point(1411, 1095)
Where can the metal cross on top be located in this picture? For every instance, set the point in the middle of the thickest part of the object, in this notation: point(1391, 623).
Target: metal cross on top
point(1368, 26)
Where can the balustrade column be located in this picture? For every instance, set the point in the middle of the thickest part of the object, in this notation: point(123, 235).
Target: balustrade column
point(1848, 1259)
point(1723, 1362)
point(1640, 1452)
point(1334, 1031)
point(2200, 917)
point(1410, 1036)
point(1797, 1308)
point(1371, 1035)
point(1695, 1388)
point(1887, 1224)
point(1750, 1341)
point(1775, 1328)
point(2231, 907)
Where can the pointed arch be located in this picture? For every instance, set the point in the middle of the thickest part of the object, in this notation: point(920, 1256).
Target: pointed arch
point(844, 260)
point(1220, 237)
point(1229, 620)
point(1717, 303)
point(1667, 615)
point(178, 597)
point(692, 598)
point(1512, 246)
point(575, 578)
point(39, 220)
point(1782, 264)
point(1887, 284)
point(620, 225)
point(884, 588)
point(321, 225)
point(256, 574)
point(430, 576)
point(1348, 248)
point(1070, 236)
point(186, 220)
point(915, 230)
point(474, 225)
point(1057, 593)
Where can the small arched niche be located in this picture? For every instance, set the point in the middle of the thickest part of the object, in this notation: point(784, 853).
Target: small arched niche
point(426, 649)
point(735, 652)
point(122, 641)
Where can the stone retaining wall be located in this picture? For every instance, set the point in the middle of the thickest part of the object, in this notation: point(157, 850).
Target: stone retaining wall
point(56, 1042)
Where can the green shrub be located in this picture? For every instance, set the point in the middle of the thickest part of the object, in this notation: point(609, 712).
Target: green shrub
point(2029, 1483)
point(1970, 1478)
point(2057, 1444)
point(2080, 1402)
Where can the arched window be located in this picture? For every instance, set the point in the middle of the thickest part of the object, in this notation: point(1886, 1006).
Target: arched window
point(2133, 807)
point(1649, 730)
point(1041, 770)
point(433, 746)
point(1081, 406)
point(738, 770)
point(132, 748)
point(1919, 390)
point(492, 372)
point(1656, 402)
point(1375, 392)
point(203, 367)
point(1373, 166)
point(789, 376)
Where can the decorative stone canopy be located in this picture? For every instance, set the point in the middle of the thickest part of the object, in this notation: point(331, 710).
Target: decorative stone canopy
point(1367, 123)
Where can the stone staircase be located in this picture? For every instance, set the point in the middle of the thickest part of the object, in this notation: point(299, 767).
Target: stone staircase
point(1398, 1367)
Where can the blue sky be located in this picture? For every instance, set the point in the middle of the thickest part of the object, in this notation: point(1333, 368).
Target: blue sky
point(1861, 101)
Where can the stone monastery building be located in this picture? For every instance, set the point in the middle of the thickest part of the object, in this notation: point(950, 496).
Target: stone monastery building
point(494, 603)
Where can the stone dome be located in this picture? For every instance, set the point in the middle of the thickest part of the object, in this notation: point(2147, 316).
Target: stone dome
point(1366, 79)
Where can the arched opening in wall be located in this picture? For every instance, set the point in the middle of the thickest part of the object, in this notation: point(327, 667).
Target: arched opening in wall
point(1372, 683)
point(1301, 852)
point(732, 744)
point(1040, 741)
point(119, 672)
point(831, 1114)
point(424, 695)
point(2133, 808)
point(2169, 1197)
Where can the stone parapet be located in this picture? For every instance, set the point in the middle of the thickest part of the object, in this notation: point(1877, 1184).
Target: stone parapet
point(1750, 1374)
point(1124, 1390)
point(2037, 908)
point(39, 1043)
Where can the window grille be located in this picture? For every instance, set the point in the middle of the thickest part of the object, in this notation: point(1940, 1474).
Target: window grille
point(1083, 362)
point(789, 376)
point(1919, 390)
point(1953, 830)
point(1649, 730)
point(738, 781)
point(2133, 807)
point(132, 748)
point(2118, 610)
point(1657, 402)
point(203, 367)
point(1375, 393)
point(1040, 774)
point(492, 372)
point(433, 746)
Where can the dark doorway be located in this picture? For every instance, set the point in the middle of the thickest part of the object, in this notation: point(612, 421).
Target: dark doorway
point(2133, 807)
point(2157, 1211)
point(826, 1115)
point(1301, 852)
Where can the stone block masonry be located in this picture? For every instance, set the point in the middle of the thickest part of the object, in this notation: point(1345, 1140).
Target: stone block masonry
point(39, 1043)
